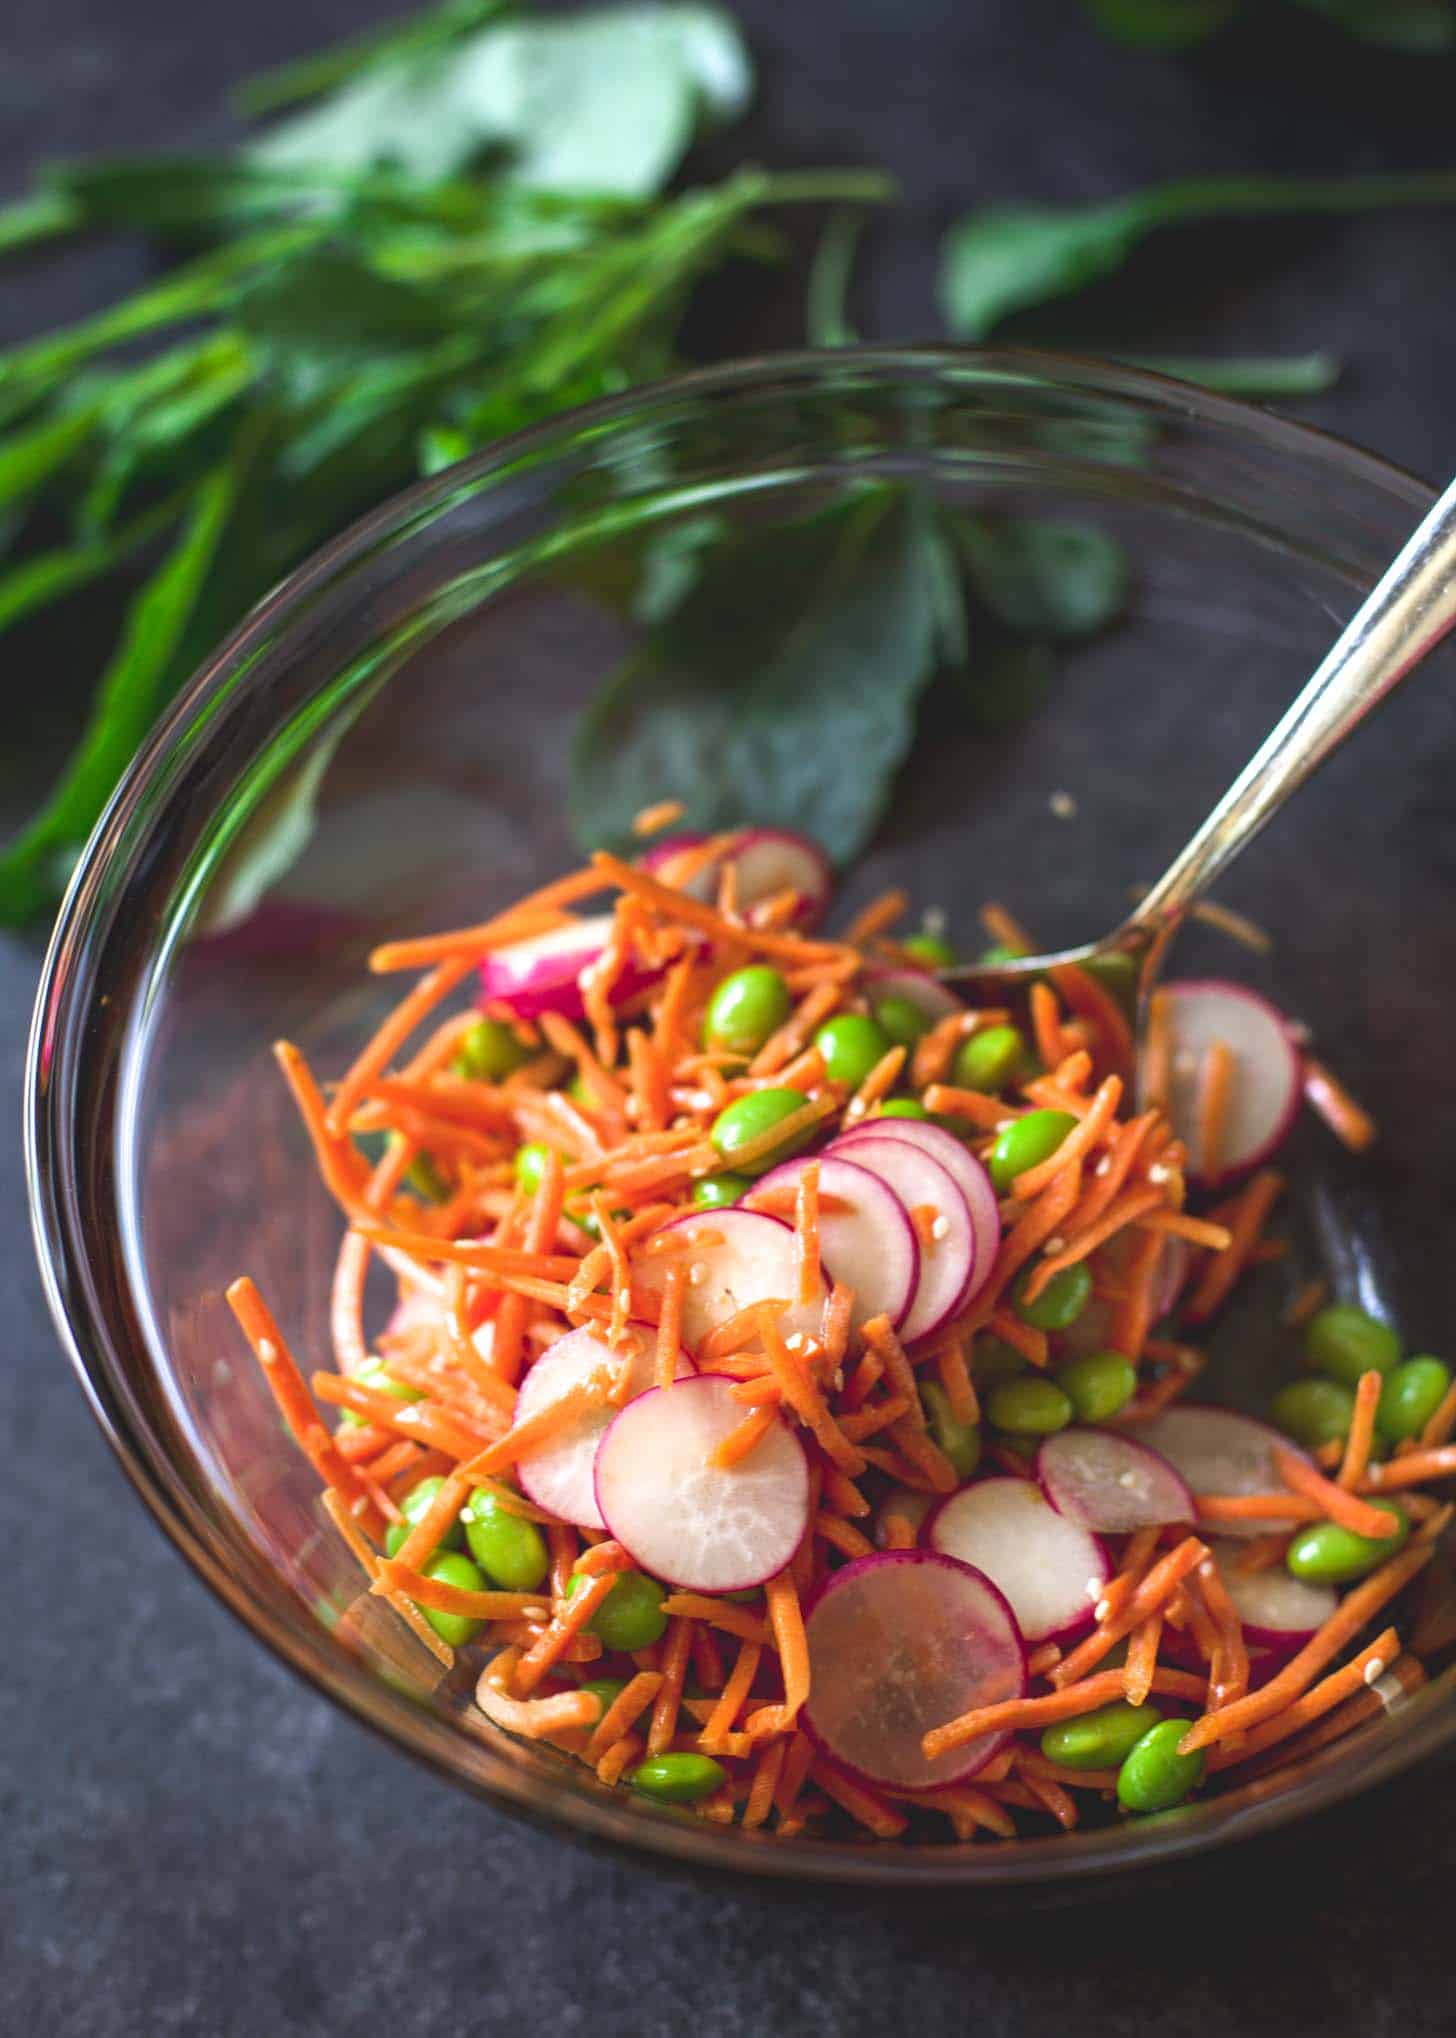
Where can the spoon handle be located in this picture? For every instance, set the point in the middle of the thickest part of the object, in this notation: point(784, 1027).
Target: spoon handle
point(1405, 615)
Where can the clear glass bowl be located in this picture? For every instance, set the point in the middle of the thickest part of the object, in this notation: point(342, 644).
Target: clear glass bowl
point(417, 682)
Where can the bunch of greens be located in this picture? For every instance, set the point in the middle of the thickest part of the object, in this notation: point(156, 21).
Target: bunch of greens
point(1422, 27)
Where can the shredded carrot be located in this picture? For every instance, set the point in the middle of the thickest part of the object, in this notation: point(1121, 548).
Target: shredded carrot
point(1215, 1095)
point(1442, 1421)
point(570, 1618)
point(881, 1079)
point(862, 1803)
point(432, 1527)
point(881, 1339)
point(1412, 1470)
point(1046, 1026)
point(955, 1378)
point(1005, 929)
point(841, 1535)
point(375, 1057)
point(1149, 1596)
point(1013, 1714)
point(1229, 1661)
point(1142, 1659)
point(1340, 1504)
point(735, 1692)
point(676, 1652)
point(546, 1422)
point(1135, 1204)
point(691, 912)
point(806, 1231)
point(669, 1325)
point(1083, 994)
point(741, 1442)
point(537, 913)
point(1246, 1220)
point(1157, 1069)
point(804, 1396)
point(1351, 1124)
point(766, 1775)
point(624, 1711)
point(1361, 1436)
point(945, 1100)
point(661, 814)
point(718, 1613)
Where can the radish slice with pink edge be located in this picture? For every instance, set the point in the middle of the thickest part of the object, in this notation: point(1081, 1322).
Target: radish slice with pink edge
point(964, 1170)
point(1050, 1568)
point(543, 973)
point(948, 1255)
point(1277, 1611)
point(931, 998)
point(868, 1242)
point(1266, 1088)
point(734, 1258)
point(773, 860)
point(558, 1474)
point(899, 1643)
point(685, 1519)
point(1109, 1483)
point(907, 1506)
point(1221, 1453)
point(661, 860)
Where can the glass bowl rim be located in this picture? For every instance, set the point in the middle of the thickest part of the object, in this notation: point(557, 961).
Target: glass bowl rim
point(85, 1335)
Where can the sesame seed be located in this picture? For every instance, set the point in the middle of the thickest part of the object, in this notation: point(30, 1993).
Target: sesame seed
point(1101, 1609)
point(1063, 805)
point(795, 1343)
point(1159, 1172)
point(1055, 1244)
point(1128, 1478)
point(697, 1274)
point(940, 1228)
point(1094, 1590)
point(1374, 1670)
point(1104, 1166)
point(1375, 1473)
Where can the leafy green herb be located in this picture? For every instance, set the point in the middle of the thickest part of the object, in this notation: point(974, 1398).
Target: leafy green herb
point(1422, 27)
point(1012, 257)
point(1164, 24)
point(1040, 578)
point(1266, 375)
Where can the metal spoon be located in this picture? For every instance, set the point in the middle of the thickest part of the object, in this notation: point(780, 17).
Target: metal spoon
point(1405, 615)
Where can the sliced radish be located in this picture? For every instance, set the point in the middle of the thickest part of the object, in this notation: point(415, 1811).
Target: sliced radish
point(1264, 1096)
point(662, 861)
point(1110, 1484)
point(1278, 1611)
point(948, 1244)
point(907, 1506)
point(901, 1642)
point(773, 860)
point(964, 1170)
point(1172, 1273)
point(868, 1241)
point(930, 997)
point(558, 1475)
point(1051, 1569)
point(686, 1520)
point(544, 973)
point(734, 1258)
point(1219, 1452)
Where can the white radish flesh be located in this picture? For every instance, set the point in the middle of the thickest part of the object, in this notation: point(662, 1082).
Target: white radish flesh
point(948, 1243)
point(866, 1238)
point(1050, 1568)
point(773, 860)
point(902, 1505)
point(733, 1259)
point(930, 997)
point(665, 858)
point(1109, 1483)
point(544, 973)
point(901, 1642)
point(964, 1170)
point(685, 1519)
point(1277, 1611)
point(1219, 1452)
point(1265, 1091)
point(558, 1475)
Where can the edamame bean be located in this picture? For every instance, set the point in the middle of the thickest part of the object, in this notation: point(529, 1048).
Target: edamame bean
point(992, 1359)
point(530, 1165)
point(745, 1009)
point(851, 1044)
point(510, 1549)
point(1154, 1776)
point(1099, 1740)
point(1099, 1385)
point(901, 1021)
point(1412, 1393)
point(988, 1061)
point(678, 1778)
point(489, 1051)
point(748, 1118)
point(1324, 1553)
point(450, 1568)
point(1344, 1342)
point(414, 1507)
point(719, 1192)
point(960, 1441)
point(931, 951)
point(902, 1107)
point(1060, 1302)
point(373, 1374)
point(606, 1691)
point(999, 952)
point(1116, 973)
point(426, 1180)
point(1026, 1143)
point(1032, 1406)
point(1314, 1411)
point(631, 1615)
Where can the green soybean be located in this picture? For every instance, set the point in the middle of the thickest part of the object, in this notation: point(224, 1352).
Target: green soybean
point(748, 1118)
point(1117, 973)
point(530, 1165)
point(1026, 1143)
point(1099, 1740)
point(998, 953)
point(1154, 1776)
point(1344, 1342)
point(450, 1568)
point(988, 1061)
point(719, 1192)
point(631, 1615)
point(678, 1779)
point(960, 1441)
point(1324, 1553)
point(745, 1009)
point(851, 1045)
point(606, 1691)
point(992, 1359)
point(1099, 1385)
point(426, 1180)
point(414, 1507)
point(1412, 1393)
point(900, 1020)
point(902, 1107)
point(932, 951)
point(510, 1549)
point(1060, 1302)
point(1032, 1406)
point(489, 1051)
point(1314, 1411)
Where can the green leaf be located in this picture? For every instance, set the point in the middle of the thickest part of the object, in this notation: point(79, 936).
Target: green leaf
point(782, 689)
point(50, 576)
point(31, 457)
point(1268, 375)
point(45, 216)
point(1163, 24)
point(1420, 27)
point(1041, 578)
point(132, 688)
point(827, 307)
point(290, 84)
point(1011, 257)
point(600, 101)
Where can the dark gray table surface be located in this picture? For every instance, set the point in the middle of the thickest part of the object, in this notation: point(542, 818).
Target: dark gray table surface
point(194, 1843)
